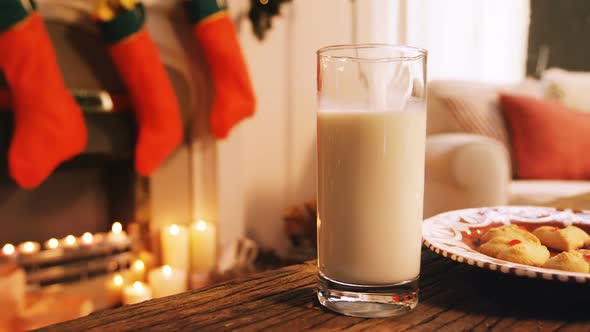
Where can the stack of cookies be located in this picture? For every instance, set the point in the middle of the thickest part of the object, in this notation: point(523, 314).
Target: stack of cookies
point(516, 244)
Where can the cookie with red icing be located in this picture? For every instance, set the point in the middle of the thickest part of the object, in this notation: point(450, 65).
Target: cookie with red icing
point(509, 231)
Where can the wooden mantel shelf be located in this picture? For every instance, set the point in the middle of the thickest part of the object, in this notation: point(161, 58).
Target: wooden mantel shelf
point(454, 298)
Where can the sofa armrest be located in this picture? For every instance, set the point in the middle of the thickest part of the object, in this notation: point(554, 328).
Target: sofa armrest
point(463, 171)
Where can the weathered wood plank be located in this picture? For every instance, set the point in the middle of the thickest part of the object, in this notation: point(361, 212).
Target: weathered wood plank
point(454, 297)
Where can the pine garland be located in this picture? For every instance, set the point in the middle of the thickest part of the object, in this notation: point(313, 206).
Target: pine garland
point(261, 14)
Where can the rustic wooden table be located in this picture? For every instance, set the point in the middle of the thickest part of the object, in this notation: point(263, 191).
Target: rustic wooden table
point(454, 297)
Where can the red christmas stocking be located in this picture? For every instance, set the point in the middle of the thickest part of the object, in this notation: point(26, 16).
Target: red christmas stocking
point(157, 112)
point(48, 124)
point(234, 96)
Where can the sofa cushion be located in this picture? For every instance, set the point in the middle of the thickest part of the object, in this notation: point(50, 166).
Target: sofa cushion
point(484, 96)
point(536, 192)
point(549, 141)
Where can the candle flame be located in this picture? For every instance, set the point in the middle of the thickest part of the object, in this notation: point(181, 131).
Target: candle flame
point(139, 265)
point(8, 249)
point(70, 240)
point(118, 280)
point(52, 243)
point(138, 286)
point(29, 247)
point(201, 226)
point(167, 270)
point(174, 230)
point(87, 238)
point(117, 228)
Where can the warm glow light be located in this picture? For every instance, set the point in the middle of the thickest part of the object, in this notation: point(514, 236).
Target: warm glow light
point(138, 286)
point(117, 228)
point(118, 280)
point(167, 270)
point(29, 247)
point(201, 226)
point(70, 240)
point(8, 249)
point(139, 265)
point(263, 2)
point(174, 230)
point(87, 238)
point(52, 243)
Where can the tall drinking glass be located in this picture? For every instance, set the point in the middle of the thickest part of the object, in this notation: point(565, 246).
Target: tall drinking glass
point(371, 128)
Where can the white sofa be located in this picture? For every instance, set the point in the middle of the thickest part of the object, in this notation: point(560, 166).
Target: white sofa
point(468, 170)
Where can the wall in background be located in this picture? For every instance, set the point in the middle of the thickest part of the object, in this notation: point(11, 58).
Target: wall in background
point(268, 163)
point(558, 35)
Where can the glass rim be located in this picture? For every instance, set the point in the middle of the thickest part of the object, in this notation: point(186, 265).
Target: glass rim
point(417, 52)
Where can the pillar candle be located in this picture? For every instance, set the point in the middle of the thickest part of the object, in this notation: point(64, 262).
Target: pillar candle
point(86, 240)
point(29, 247)
point(69, 242)
point(166, 281)
point(117, 235)
point(137, 292)
point(203, 246)
point(52, 243)
point(114, 288)
point(8, 253)
point(136, 271)
point(175, 247)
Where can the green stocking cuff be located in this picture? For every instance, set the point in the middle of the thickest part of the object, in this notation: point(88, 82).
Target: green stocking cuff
point(12, 12)
point(198, 10)
point(123, 25)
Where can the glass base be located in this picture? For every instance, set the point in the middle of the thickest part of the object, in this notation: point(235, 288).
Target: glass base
point(368, 301)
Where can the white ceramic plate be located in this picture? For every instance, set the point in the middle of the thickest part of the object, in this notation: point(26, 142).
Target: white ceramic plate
point(455, 234)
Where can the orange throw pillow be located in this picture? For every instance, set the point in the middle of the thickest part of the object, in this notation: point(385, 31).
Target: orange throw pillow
point(549, 141)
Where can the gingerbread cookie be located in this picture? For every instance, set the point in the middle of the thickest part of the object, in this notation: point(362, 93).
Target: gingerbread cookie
point(568, 261)
point(510, 231)
point(564, 239)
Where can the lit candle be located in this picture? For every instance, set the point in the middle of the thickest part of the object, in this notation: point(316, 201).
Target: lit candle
point(29, 247)
point(87, 239)
point(137, 271)
point(203, 247)
point(137, 292)
point(52, 243)
point(70, 242)
point(117, 235)
point(167, 281)
point(8, 250)
point(114, 288)
point(175, 247)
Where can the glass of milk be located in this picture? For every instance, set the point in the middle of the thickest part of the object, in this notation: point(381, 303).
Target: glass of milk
point(371, 130)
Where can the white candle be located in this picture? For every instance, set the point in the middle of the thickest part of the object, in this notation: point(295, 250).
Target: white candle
point(87, 239)
point(52, 243)
point(137, 292)
point(114, 288)
point(29, 247)
point(137, 271)
point(117, 235)
point(69, 242)
point(175, 247)
point(167, 281)
point(203, 247)
point(8, 252)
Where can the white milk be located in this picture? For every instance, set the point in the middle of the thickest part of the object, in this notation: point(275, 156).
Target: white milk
point(370, 194)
